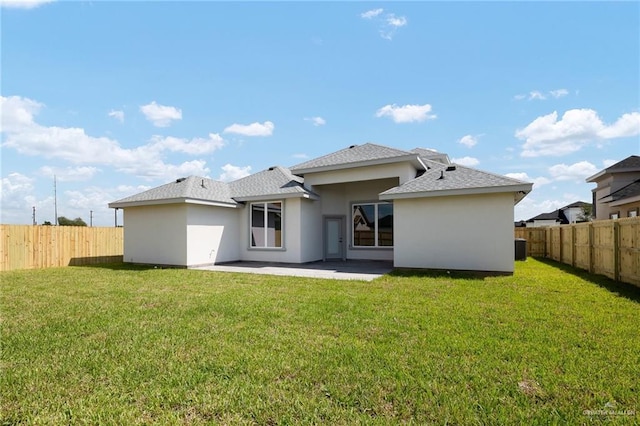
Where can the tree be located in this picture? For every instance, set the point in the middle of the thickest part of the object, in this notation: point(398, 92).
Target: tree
point(586, 214)
point(47, 223)
point(63, 221)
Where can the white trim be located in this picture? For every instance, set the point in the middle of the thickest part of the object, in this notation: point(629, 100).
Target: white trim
point(460, 191)
point(124, 204)
point(265, 204)
point(623, 201)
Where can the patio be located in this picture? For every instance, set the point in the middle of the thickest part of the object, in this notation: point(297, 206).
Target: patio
point(366, 270)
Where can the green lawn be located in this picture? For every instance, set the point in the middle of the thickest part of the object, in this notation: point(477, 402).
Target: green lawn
point(129, 345)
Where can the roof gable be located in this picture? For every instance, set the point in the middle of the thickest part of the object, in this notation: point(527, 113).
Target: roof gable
point(275, 181)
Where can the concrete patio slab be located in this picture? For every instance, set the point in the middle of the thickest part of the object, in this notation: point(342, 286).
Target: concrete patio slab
point(366, 270)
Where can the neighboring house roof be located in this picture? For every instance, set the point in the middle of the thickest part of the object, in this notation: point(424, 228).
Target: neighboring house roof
point(629, 192)
point(629, 164)
point(357, 156)
point(456, 180)
point(276, 181)
point(559, 215)
point(192, 189)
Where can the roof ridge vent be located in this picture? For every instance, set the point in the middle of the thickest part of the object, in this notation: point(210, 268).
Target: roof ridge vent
point(352, 146)
point(182, 179)
point(272, 168)
point(451, 168)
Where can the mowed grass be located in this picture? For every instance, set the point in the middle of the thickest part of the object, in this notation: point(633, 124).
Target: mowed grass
point(130, 345)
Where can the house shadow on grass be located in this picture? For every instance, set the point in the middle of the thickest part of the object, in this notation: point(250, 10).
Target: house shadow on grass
point(439, 273)
point(626, 290)
point(116, 266)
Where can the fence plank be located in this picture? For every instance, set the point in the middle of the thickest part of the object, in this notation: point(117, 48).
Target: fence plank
point(604, 247)
point(30, 247)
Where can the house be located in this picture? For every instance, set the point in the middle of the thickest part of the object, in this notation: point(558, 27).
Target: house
point(617, 191)
point(571, 213)
point(366, 201)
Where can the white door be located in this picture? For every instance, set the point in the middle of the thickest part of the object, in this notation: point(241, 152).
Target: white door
point(333, 238)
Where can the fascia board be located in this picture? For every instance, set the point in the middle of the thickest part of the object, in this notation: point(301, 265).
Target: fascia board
point(116, 205)
point(454, 192)
point(268, 197)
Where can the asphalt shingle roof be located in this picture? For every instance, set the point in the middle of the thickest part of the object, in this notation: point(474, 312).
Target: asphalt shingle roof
point(193, 187)
point(353, 154)
point(631, 190)
point(631, 162)
point(273, 181)
point(280, 181)
point(441, 178)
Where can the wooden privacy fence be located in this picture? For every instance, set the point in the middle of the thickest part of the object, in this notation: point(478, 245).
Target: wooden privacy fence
point(31, 247)
point(605, 247)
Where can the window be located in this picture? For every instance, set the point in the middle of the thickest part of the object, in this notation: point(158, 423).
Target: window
point(372, 225)
point(266, 225)
point(633, 213)
point(615, 215)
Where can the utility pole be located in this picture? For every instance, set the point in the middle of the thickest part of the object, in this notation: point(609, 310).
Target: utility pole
point(33, 216)
point(90, 217)
point(115, 215)
point(55, 201)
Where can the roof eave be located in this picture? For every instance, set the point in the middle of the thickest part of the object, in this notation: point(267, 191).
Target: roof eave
point(267, 197)
point(523, 189)
point(623, 201)
point(182, 200)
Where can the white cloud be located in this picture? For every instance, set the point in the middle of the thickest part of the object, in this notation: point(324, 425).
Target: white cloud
point(15, 189)
point(253, 129)
point(468, 140)
point(317, 121)
point(118, 115)
point(559, 93)
point(406, 113)
point(371, 13)
point(23, 4)
point(608, 163)
point(541, 96)
point(195, 146)
point(230, 172)
point(161, 115)
point(536, 95)
point(577, 172)
point(547, 135)
point(537, 182)
point(388, 23)
point(396, 21)
point(466, 161)
point(69, 174)
point(22, 133)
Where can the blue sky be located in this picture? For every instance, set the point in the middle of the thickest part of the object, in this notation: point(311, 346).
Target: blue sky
point(117, 97)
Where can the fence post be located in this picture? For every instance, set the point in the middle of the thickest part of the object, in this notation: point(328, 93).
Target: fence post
point(616, 250)
point(573, 245)
point(591, 250)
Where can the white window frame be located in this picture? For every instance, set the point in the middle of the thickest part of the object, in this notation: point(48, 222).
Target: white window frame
point(265, 205)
